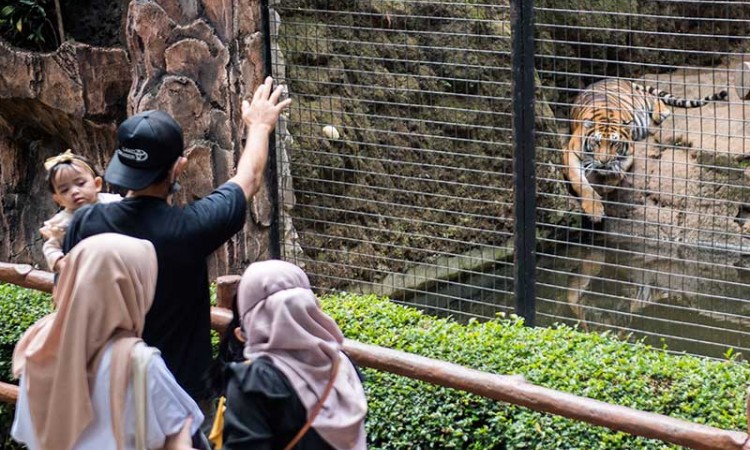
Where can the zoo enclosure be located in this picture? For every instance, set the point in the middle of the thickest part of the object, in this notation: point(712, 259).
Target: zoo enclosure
point(442, 184)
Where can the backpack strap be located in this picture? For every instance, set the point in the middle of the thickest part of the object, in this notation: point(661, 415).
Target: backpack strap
point(216, 436)
point(313, 413)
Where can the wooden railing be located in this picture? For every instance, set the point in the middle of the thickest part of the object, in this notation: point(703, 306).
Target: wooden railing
point(511, 389)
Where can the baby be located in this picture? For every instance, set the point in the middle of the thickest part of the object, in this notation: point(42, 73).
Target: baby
point(74, 182)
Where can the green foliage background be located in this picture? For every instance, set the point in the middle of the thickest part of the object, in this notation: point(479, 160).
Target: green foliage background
point(28, 24)
point(408, 414)
point(405, 413)
point(19, 309)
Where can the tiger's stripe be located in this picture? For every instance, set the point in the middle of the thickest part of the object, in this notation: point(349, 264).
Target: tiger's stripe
point(606, 119)
point(679, 102)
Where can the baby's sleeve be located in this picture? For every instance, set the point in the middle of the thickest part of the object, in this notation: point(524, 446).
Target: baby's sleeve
point(52, 247)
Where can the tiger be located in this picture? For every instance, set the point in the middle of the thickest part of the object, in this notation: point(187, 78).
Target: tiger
point(606, 119)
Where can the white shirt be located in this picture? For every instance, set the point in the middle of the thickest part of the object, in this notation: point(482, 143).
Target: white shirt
point(168, 408)
point(54, 230)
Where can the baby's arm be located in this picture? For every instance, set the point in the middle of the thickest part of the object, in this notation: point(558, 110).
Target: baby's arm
point(52, 247)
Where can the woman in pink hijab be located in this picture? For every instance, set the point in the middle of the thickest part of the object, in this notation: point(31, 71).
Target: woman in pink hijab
point(75, 364)
point(294, 359)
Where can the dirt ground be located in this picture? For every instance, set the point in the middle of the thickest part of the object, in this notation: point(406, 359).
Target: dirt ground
point(689, 181)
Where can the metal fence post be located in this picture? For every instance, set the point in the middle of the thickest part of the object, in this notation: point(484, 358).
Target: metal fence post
point(522, 26)
point(272, 179)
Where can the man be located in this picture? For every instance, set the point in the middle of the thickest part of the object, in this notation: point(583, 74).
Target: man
point(147, 163)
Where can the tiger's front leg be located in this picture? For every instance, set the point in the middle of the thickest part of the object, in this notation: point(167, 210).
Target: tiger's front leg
point(628, 163)
point(591, 201)
point(660, 112)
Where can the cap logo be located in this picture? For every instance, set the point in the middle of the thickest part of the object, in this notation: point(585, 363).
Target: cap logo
point(133, 154)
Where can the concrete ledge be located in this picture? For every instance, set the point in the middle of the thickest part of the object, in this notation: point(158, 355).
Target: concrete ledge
point(444, 268)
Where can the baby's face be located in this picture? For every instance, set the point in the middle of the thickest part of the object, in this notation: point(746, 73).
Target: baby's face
point(75, 186)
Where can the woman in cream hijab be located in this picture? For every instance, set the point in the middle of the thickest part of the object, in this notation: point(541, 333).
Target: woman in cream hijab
point(74, 364)
point(295, 360)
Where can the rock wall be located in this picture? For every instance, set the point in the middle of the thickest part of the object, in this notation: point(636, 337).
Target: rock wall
point(193, 59)
point(197, 60)
point(70, 98)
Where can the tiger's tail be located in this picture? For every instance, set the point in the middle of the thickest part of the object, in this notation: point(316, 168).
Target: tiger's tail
point(680, 102)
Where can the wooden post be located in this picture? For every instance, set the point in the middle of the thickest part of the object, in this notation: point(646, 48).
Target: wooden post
point(226, 287)
point(220, 318)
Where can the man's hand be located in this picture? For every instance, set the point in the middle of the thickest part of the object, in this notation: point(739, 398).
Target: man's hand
point(262, 114)
point(260, 117)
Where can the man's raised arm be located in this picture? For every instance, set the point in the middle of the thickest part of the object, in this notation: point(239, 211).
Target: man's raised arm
point(260, 117)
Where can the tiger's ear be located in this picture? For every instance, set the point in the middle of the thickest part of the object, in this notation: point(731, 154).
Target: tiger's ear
point(588, 123)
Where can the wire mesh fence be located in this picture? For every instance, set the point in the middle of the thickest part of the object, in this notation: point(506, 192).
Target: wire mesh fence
point(419, 173)
point(401, 160)
point(667, 261)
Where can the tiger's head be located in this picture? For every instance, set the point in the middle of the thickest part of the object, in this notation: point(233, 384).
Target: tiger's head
point(607, 146)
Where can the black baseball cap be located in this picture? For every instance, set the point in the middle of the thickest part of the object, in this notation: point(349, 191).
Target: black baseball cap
point(149, 144)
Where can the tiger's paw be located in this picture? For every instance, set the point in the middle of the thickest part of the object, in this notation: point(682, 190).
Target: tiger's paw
point(594, 209)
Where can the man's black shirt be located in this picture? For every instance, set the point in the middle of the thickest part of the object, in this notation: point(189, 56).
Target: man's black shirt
point(179, 321)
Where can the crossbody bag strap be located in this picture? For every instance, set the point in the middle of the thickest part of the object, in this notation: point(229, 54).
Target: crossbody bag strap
point(318, 406)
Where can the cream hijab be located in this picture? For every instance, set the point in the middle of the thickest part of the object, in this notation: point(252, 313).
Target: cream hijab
point(282, 320)
point(103, 294)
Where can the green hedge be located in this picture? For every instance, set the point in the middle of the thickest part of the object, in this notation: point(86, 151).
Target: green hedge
point(19, 308)
point(405, 413)
point(409, 414)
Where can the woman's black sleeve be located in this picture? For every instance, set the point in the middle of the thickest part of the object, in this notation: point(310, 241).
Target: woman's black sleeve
point(245, 420)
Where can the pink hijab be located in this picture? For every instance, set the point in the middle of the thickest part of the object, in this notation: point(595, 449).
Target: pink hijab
point(103, 294)
point(282, 320)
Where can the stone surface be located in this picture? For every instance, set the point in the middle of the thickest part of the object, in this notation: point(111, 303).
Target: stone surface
point(178, 60)
point(585, 41)
point(181, 62)
point(70, 98)
point(198, 177)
